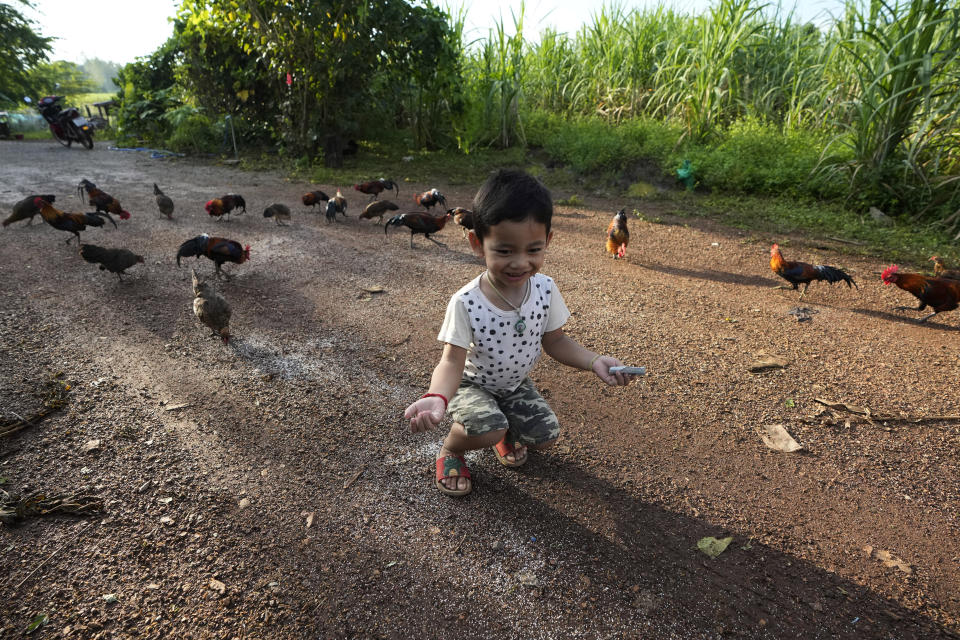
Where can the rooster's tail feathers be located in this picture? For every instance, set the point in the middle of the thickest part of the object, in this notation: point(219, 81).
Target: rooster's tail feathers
point(833, 274)
point(192, 247)
point(395, 221)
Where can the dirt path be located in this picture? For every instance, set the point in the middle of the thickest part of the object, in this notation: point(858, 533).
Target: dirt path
point(228, 476)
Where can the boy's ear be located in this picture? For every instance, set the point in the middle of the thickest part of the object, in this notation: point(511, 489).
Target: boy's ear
point(475, 243)
point(549, 238)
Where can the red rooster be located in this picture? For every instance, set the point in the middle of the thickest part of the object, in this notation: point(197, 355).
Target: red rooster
point(374, 187)
point(618, 237)
point(419, 223)
point(941, 294)
point(223, 205)
point(803, 273)
point(104, 202)
point(430, 198)
point(462, 217)
point(26, 209)
point(314, 198)
point(219, 250)
point(72, 222)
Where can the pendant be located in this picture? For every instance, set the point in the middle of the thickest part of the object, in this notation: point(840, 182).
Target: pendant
point(520, 327)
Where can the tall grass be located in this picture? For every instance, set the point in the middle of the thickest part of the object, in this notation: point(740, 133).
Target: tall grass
point(882, 80)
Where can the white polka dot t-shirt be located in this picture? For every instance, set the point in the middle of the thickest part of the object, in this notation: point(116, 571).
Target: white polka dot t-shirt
point(498, 359)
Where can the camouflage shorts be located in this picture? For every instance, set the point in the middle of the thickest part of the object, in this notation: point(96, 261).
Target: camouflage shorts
point(523, 411)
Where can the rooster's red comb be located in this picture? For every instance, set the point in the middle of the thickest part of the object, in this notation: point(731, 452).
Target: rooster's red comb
point(889, 271)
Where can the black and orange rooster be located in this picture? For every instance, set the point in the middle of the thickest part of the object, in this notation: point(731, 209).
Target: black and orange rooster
point(374, 187)
point(219, 250)
point(314, 198)
point(462, 217)
point(26, 209)
point(72, 222)
point(939, 269)
point(419, 222)
point(618, 237)
point(104, 202)
point(803, 273)
point(222, 206)
point(430, 198)
point(377, 210)
point(940, 294)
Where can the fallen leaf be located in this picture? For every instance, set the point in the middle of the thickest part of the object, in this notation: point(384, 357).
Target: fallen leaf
point(712, 546)
point(313, 514)
point(766, 361)
point(38, 622)
point(776, 437)
point(375, 288)
point(888, 559)
point(218, 586)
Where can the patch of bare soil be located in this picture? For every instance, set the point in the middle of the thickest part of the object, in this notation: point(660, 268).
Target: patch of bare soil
point(268, 489)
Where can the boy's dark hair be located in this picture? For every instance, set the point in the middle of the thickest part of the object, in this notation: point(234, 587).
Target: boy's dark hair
point(510, 194)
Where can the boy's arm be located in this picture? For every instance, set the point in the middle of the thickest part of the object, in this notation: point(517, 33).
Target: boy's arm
point(568, 351)
point(426, 413)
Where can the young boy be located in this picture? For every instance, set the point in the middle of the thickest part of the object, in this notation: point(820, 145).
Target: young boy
point(493, 332)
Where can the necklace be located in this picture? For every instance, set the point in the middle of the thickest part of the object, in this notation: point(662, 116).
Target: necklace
point(520, 326)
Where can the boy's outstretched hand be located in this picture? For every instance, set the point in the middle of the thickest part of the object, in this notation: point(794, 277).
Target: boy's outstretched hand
point(425, 414)
point(601, 367)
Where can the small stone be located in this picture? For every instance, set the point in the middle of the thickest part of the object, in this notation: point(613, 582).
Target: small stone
point(91, 445)
point(244, 503)
point(143, 487)
point(167, 520)
point(218, 586)
point(528, 579)
point(110, 598)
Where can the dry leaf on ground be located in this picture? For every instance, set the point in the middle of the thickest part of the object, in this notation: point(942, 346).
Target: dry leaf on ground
point(776, 437)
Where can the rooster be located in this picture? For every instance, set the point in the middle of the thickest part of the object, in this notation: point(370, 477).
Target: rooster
point(113, 260)
point(377, 210)
point(939, 269)
point(222, 206)
point(941, 294)
point(430, 198)
point(219, 250)
point(278, 212)
point(164, 203)
point(341, 203)
point(72, 222)
point(463, 217)
point(374, 187)
point(331, 211)
point(419, 223)
point(211, 308)
point(618, 237)
point(314, 198)
point(800, 272)
point(103, 201)
point(26, 209)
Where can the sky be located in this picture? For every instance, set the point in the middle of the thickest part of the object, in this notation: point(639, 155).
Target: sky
point(121, 30)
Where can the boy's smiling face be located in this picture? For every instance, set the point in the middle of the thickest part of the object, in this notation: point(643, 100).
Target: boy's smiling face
point(513, 251)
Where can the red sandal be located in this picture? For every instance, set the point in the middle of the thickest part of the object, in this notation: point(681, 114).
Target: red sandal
point(452, 466)
point(503, 448)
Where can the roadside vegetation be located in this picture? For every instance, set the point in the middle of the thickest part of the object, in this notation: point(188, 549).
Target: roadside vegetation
point(846, 128)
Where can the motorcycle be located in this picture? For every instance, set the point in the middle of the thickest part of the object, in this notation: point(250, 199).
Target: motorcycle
point(66, 125)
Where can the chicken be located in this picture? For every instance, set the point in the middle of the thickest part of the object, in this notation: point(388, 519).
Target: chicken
point(222, 206)
point(618, 236)
point(939, 269)
point(941, 294)
point(26, 209)
point(211, 308)
point(341, 203)
point(800, 272)
point(430, 198)
point(374, 187)
point(314, 198)
point(72, 222)
point(113, 260)
point(419, 222)
point(103, 201)
point(278, 212)
point(219, 250)
point(331, 211)
point(164, 203)
point(464, 218)
point(377, 210)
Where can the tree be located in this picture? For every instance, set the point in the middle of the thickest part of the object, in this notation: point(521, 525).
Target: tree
point(22, 49)
point(101, 73)
point(60, 78)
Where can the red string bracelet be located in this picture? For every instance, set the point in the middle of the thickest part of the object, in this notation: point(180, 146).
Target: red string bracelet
point(438, 395)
